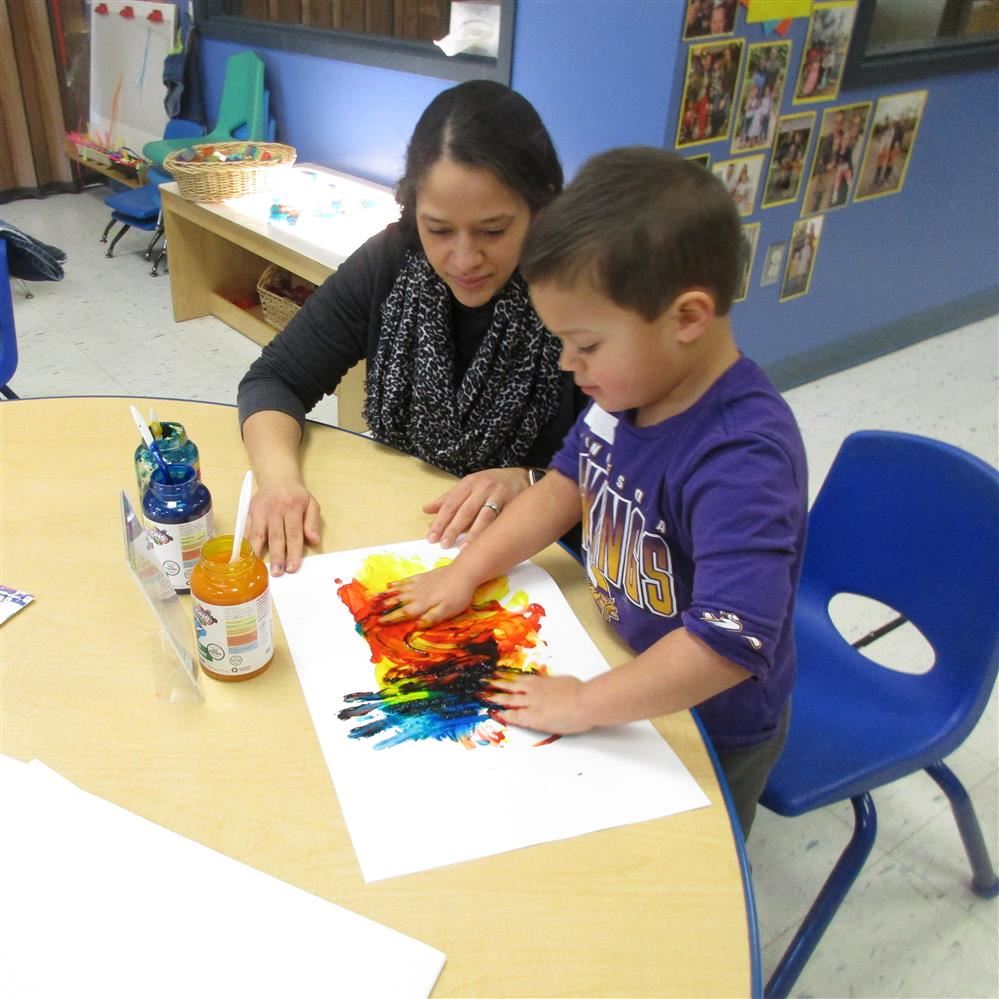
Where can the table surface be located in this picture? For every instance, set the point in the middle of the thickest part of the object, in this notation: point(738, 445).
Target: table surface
point(650, 909)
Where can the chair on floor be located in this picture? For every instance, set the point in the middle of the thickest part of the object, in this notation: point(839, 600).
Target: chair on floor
point(912, 523)
point(242, 110)
point(8, 334)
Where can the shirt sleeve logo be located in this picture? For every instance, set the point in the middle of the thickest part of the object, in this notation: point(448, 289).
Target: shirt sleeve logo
point(727, 621)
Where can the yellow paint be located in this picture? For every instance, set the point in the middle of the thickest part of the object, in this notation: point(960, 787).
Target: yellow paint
point(777, 10)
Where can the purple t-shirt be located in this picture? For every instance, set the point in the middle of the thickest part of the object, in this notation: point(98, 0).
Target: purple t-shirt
point(699, 522)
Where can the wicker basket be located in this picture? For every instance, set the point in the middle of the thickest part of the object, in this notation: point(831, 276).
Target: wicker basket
point(215, 180)
point(274, 287)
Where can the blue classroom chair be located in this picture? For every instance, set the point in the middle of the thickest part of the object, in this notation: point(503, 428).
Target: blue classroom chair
point(8, 334)
point(913, 523)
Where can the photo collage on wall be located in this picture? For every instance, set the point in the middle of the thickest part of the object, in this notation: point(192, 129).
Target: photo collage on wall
point(739, 73)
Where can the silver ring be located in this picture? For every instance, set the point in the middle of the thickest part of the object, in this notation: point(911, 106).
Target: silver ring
point(490, 505)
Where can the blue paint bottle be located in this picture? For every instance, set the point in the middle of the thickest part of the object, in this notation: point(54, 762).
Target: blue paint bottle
point(173, 444)
point(178, 516)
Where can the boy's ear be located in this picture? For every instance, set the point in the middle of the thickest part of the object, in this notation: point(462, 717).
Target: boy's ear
point(695, 311)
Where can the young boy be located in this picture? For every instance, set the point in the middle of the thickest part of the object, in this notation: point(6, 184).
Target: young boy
point(687, 469)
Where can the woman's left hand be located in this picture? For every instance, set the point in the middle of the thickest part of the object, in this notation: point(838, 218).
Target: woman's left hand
point(469, 507)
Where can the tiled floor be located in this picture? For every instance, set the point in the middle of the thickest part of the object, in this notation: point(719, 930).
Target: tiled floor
point(910, 926)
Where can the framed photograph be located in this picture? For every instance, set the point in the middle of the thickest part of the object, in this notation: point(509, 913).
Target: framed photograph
point(709, 92)
point(804, 245)
point(889, 149)
point(702, 159)
point(760, 96)
point(747, 254)
point(772, 264)
point(741, 177)
point(787, 163)
point(838, 155)
point(709, 17)
point(826, 47)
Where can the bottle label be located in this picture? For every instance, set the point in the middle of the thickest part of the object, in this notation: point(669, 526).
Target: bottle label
point(178, 546)
point(234, 639)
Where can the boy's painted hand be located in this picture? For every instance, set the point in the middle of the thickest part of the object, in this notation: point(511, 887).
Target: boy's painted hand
point(429, 597)
point(543, 703)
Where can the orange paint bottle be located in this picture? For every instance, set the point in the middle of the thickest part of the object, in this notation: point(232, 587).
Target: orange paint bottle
point(232, 611)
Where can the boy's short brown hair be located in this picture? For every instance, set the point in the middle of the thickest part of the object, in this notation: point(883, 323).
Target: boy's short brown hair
point(642, 225)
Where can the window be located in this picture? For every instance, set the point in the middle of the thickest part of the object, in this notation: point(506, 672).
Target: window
point(900, 39)
point(393, 34)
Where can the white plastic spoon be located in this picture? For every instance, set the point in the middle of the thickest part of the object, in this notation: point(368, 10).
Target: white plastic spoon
point(241, 512)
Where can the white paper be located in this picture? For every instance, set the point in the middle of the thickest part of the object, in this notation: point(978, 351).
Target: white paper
point(421, 804)
point(98, 901)
point(126, 72)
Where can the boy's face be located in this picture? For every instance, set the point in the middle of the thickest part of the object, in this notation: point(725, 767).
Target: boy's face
point(616, 356)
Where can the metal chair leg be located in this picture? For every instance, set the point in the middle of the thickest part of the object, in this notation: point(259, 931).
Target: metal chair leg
point(152, 243)
point(114, 242)
point(984, 881)
point(107, 229)
point(28, 293)
point(155, 272)
point(7, 391)
point(828, 901)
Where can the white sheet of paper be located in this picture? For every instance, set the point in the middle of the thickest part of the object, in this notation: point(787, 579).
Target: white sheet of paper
point(99, 901)
point(421, 804)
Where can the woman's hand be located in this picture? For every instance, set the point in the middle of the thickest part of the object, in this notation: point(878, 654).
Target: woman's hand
point(283, 518)
point(429, 597)
point(473, 504)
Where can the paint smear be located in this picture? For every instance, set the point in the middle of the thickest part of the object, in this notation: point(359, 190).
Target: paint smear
point(432, 681)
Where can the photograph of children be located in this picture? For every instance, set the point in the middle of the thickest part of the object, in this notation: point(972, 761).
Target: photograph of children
point(825, 51)
point(889, 149)
point(772, 263)
point(759, 100)
point(702, 159)
point(709, 17)
point(787, 164)
point(742, 179)
point(747, 254)
point(837, 159)
point(804, 244)
point(709, 92)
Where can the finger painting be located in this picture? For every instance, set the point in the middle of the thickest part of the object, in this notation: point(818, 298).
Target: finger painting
point(432, 682)
point(424, 772)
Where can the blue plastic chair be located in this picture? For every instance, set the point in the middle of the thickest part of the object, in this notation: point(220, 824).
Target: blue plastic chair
point(913, 523)
point(8, 334)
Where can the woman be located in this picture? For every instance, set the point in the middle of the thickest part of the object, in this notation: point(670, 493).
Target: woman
point(461, 372)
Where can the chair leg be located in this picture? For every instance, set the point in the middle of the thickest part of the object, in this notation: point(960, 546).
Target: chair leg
point(152, 244)
point(28, 293)
point(984, 881)
point(107, 229)
point(824, 907)
point(155, 272)
point(7, 391)
point(114, 242)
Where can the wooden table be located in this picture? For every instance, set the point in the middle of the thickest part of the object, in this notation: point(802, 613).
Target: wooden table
point(218, 252)
point(651, 909)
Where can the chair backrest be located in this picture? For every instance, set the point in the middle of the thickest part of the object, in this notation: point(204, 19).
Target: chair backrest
point(8, 334)
point(242, 101)
point(914, 523)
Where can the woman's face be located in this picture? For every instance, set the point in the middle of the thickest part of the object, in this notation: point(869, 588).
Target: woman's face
point(472, 228)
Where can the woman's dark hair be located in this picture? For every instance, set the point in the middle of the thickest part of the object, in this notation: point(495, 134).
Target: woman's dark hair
point(482, 123)
point(641, 225)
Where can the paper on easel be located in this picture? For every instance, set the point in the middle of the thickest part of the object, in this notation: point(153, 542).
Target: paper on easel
point(473, 29)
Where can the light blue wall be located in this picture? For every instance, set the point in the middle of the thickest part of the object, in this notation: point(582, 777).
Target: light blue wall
point(605, 73)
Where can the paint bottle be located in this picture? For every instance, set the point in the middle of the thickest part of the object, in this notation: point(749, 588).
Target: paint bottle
point(233, 625)
point(175, 447)
point(178, 516)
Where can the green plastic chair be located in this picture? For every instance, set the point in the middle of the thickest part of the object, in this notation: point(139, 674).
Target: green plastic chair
point(243, 109)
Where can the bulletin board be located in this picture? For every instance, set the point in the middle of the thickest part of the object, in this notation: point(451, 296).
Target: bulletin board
point(128, 43)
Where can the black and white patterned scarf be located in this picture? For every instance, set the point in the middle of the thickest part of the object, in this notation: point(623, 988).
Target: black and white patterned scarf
point(510, 391)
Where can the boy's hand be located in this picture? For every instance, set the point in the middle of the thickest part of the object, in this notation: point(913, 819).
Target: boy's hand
point(544, 703)
point(429, 596)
